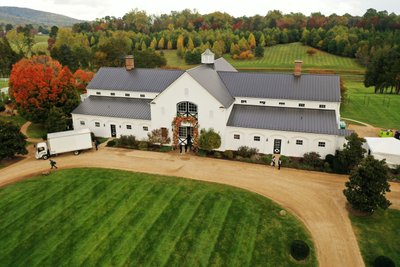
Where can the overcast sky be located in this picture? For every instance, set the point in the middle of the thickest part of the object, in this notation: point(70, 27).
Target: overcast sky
point(92, 9)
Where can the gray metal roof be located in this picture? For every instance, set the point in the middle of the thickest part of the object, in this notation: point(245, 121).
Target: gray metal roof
point(313, 87)
point(221, 64)
point(140, 80)
point(285, 119)
point(118, 107)
point(207, 77)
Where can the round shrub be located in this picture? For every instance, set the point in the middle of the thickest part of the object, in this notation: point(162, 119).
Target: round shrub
point(111, 143)
point(383, 261)
point(143, 145)
point(228, 154)
point(299, 250)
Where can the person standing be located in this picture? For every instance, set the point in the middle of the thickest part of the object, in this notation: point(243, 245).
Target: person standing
point(96, 144)
point(279, 164)
point(53, 164)
point(188, 143)
point(273, 161)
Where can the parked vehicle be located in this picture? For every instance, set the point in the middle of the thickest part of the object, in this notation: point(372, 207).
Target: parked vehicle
point(62, 142)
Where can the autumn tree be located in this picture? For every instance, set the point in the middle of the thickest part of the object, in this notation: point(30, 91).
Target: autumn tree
point(82, 79)
point(190, 45)
point(367, 186)
point(12, 141)
point(39, 83)
point(252, 41)
point(161, 43)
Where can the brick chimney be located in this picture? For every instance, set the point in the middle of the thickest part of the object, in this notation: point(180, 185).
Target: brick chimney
point(129, 63)
point(297, 68)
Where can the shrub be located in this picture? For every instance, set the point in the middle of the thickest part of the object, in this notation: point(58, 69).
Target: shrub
point(165, 149)
point(299, 250)
point(383, 261)
point(266, 159)
point(158, 137)
point(209, 140)
point(330, 158)
point(228, 154)
point(127, 141)
point(285, 160)
point(2, 107)
point(143, 145)
point(202, 153)
point(111, 143)
point(218, 154)
point(246, 152)
point(313, 159)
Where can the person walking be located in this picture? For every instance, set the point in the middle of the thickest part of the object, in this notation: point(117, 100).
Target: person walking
point(188, 143)
point(279, 164)
point(96, 144)
point(273, 161)
point(53, 164)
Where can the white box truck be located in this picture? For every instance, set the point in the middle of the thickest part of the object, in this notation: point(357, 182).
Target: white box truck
point(61, 142)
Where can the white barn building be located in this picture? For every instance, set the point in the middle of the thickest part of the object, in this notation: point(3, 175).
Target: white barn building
point(282, 113)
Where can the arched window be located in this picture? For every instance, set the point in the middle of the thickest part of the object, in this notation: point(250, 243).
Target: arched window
point(186, 108)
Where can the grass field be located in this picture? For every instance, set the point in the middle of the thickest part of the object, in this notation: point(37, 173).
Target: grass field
point(378, 235)
point(3, 83)
point(282, 57)
point(36, 130)
point(96, 217)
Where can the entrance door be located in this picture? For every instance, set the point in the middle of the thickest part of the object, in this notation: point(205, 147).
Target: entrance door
point(113, 130)
point(277, 146)
point(183, 133)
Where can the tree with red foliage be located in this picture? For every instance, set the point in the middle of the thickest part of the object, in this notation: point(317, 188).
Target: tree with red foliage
point(40, 83)
point(82, 79)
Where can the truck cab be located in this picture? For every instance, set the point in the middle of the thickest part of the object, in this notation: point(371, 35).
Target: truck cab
point(41, 151)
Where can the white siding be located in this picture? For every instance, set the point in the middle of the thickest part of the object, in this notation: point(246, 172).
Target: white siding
point(104, 130)
point(288, 146)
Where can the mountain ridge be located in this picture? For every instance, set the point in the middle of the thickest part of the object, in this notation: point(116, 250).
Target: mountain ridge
point(21, 15)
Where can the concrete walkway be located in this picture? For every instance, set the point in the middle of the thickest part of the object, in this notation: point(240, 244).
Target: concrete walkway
point(315, 198)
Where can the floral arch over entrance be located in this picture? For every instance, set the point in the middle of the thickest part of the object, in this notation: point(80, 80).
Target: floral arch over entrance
point(177, 122)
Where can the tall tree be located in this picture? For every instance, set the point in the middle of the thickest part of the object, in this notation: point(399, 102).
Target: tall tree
point(8, 57)
point(39, 83)
point(12, 141)
point(367, 186)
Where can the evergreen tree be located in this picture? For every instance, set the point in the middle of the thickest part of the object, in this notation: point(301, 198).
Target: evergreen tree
point(56, 121)
point(12, 141)
point(259, 51)
point(367, 186)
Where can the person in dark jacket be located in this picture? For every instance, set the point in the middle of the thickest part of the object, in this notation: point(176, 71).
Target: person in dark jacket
point(279, 164)
point(188, 143)
point(53, 164)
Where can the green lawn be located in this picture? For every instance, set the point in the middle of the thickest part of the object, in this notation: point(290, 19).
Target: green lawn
point(18, 120)
point(99, 217)
point(36, 130)
point(283, 56)
point(378, 235)
point(380, 110)
point(174, 61)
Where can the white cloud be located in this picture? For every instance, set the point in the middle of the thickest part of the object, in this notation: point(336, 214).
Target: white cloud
point(92, 9)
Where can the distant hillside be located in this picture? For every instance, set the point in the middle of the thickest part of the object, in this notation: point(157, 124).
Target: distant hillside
point(18, 15)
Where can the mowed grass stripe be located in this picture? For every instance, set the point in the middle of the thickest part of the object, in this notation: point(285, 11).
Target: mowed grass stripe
point(109, 240)
point(113, 212)
point(143, 220)
point(76, 214)
point(236, 240)
point(196, 243)
point(32, 233)
point(160, 240)
point(21, 218)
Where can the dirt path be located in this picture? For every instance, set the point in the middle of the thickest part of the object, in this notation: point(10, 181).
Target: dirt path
point(315, 198)
point(365, 130)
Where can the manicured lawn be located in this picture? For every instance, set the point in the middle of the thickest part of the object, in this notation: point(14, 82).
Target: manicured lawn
point(18, 120)
point(174, 61)
point(378, 235)
point(99, 217)
point(36, 130)
point(380, 110)
point(282, 57)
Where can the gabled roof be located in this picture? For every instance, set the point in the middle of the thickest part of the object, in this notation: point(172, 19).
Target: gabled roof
point(207, 77)
point(117, 107)
point(285, 119)
point(313, 87)
point(140, 80)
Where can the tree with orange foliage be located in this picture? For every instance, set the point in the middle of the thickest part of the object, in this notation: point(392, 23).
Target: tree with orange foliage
point(40, 83)
point(82, 79)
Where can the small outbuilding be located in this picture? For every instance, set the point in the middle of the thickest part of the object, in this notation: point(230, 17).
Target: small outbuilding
point(384, 148)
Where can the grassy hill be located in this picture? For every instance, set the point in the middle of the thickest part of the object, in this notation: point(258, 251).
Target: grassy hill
point(18, 15)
